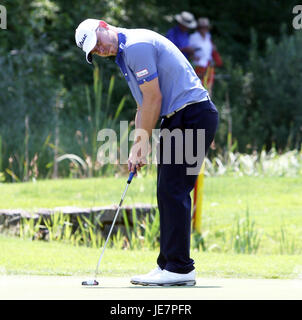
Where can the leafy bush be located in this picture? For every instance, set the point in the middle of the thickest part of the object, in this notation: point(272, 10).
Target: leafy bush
point(264, 97)
point(28, 96)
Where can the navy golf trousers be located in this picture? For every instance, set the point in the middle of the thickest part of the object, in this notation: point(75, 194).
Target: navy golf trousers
point(174, 185)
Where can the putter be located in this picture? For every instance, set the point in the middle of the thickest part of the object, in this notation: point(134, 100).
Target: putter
point(94, 282)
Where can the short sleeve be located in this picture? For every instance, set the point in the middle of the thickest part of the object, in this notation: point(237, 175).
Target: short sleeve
point(142, 60)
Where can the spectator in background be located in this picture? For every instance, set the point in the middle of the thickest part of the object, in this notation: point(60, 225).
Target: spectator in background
point(205, 56)
point(179, 34)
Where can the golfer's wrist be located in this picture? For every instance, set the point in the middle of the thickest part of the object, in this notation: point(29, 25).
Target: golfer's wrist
point(141, 139)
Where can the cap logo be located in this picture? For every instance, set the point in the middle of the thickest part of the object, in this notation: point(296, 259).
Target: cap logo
point(81, 43)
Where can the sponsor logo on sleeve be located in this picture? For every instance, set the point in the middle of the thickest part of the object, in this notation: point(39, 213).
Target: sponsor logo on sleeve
point(142, 73)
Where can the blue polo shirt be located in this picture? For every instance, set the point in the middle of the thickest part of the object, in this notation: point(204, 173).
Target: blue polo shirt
point(144, 55)
point(179, 38)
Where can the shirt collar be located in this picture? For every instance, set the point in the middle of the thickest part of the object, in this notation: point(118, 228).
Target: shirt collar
point(121, 45)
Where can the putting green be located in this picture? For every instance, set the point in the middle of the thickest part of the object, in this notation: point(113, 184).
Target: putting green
point(110, 288)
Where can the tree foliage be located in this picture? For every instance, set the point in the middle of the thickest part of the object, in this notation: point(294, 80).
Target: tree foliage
point(39, 58)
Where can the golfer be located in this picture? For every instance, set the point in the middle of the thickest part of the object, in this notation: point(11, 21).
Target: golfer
point(165, 87)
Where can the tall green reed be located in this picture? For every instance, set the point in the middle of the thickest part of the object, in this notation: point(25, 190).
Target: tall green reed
point(245, 238)
point(143, 233)
point(101, 115)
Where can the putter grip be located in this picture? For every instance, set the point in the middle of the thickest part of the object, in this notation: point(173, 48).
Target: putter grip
point(131, 175)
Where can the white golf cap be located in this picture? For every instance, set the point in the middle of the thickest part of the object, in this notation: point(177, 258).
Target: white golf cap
point(85, 36)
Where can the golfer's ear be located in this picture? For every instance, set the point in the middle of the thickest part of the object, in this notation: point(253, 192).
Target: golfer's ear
point(151, 89)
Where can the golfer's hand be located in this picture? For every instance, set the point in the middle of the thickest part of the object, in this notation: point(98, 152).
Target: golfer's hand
point(132, 166)
point(136, 163)
point(136, 160)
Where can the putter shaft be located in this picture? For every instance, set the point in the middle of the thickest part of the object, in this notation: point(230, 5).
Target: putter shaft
point(115, 217)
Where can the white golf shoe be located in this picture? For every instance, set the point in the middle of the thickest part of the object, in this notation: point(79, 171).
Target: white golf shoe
point(139, 278)
point(160, 277)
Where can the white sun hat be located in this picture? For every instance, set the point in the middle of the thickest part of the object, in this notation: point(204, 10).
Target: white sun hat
point(187, 19)
point(85, 36)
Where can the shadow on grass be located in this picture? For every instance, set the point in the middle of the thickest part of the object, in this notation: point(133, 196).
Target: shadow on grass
point(154, 287)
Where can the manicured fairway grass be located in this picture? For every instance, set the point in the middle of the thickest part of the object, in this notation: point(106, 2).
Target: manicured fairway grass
point(41, 258)
point(83, 193)
point(269, 200)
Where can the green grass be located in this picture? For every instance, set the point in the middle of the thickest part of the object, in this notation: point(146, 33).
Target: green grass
point(273, 203)
point(19, 256)
point(83, 193)
point(223, 196)
point(268, 199)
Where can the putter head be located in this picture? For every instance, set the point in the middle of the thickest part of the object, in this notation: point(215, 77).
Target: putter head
point(90, 283)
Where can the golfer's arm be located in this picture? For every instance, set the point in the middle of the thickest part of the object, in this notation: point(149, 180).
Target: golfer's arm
point(138, 116)
point(148, 113)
